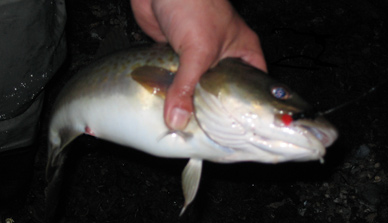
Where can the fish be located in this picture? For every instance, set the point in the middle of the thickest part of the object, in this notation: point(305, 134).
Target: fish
point(239, 116)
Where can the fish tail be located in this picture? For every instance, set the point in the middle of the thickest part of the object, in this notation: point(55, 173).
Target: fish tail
point(55, 179)
point(57, 154)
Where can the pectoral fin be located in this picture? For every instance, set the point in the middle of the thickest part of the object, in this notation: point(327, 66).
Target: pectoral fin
point(190, 181)
point(155, 79)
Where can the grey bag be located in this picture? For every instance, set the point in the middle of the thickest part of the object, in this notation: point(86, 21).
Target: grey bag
point(32, 48)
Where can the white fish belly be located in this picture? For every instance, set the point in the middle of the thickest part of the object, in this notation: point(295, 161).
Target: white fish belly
point(130, 120)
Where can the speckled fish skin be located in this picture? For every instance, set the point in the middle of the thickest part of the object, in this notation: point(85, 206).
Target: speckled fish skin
point(105, 99)
point(120, 98)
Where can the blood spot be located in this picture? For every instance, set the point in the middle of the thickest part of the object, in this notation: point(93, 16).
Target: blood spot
point(89, 131)
point(286, 119)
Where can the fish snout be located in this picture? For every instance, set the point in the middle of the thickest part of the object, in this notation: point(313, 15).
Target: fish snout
point(321, 129)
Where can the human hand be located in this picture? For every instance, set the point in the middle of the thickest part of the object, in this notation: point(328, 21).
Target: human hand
point(202, 32)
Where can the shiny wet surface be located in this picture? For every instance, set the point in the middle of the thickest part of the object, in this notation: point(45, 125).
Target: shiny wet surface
point(329, 52)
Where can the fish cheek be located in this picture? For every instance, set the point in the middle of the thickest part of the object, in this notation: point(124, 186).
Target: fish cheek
point(155, 80)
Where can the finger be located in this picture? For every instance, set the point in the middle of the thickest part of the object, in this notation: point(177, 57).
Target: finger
point(179, 105)
point(247, 47)
point(146, 19)
point(254, 55)
point(256, 59)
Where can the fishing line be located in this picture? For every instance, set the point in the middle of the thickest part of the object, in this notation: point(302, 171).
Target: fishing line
point(313, 113)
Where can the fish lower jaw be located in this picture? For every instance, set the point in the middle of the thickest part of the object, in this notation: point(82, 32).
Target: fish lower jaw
point(294, 153)
point(326, 137)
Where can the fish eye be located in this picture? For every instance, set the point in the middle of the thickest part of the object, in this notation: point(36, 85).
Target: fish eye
point(280, 92)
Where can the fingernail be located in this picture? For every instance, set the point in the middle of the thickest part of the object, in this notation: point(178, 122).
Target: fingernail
point(178, 118)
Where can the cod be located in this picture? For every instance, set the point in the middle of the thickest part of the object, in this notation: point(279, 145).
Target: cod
point(238, 116)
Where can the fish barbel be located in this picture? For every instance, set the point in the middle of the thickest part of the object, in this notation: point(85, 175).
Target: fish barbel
point(237, 116)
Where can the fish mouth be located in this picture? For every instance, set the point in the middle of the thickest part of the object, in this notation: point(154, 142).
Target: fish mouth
point(319, 129)
point(326, 135)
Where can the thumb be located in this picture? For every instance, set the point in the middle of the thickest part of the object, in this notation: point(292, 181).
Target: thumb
point(178, 106)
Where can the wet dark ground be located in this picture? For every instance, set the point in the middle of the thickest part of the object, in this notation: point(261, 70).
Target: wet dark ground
point(330, 52)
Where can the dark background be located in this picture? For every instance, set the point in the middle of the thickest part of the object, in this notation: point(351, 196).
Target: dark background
point(328, 51)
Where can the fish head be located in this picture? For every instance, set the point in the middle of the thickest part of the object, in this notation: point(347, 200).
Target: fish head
point(242, 109)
